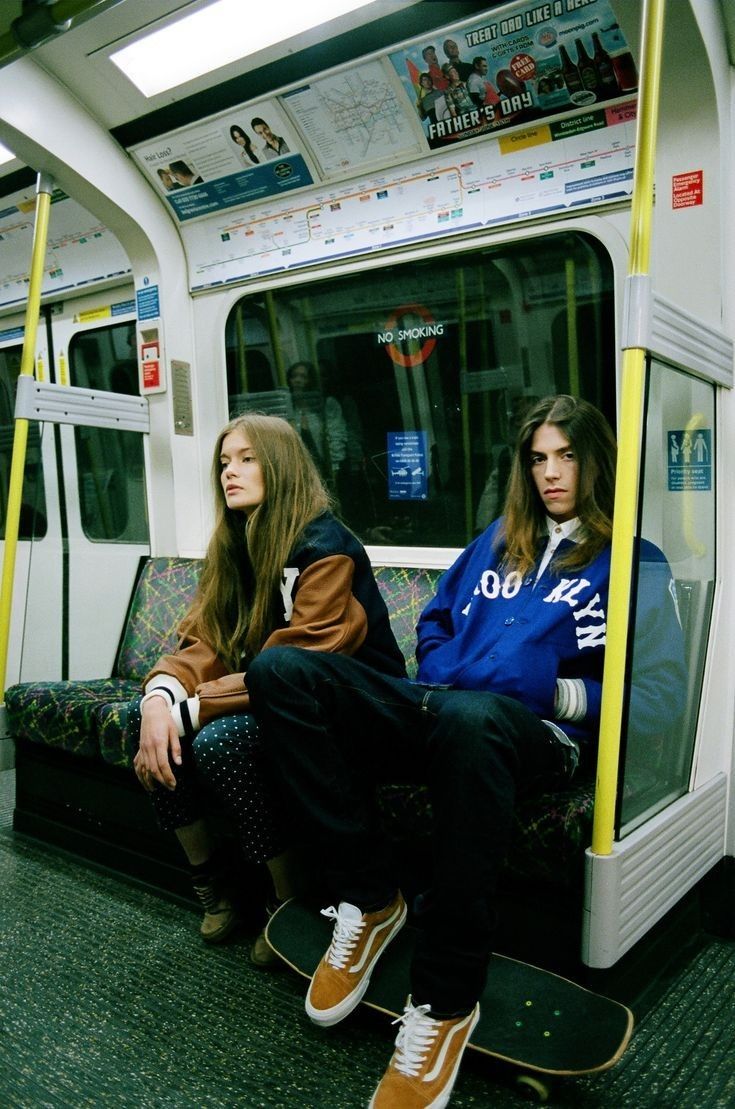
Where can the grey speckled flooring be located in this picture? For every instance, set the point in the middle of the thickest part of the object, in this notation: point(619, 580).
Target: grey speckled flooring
point(108, 998)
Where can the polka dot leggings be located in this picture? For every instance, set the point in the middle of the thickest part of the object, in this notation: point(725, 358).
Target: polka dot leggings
point(224, 762)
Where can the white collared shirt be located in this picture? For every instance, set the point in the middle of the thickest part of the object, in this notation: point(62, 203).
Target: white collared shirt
point(569, 529)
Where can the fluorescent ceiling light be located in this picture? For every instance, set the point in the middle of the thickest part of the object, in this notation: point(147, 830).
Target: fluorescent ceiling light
point(5, 154)
point(223, 32)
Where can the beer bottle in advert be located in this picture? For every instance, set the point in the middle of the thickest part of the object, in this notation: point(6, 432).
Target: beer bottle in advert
point(570, 72)
point(604, 67)
point(587, 71)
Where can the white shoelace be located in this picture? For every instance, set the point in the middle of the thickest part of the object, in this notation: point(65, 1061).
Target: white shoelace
point(347, 929)
point(415, 1036)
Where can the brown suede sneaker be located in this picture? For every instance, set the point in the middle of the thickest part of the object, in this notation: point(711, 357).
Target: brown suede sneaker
point(343, 975)
point(220, 918)
point(424, 1066)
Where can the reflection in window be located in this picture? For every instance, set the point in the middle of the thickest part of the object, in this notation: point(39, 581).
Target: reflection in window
point(408, 382)
point(32, 524)
point(678, 515)
point(110, 464)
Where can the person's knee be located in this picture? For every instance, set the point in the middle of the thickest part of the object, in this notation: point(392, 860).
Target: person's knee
point(204, 743)
point(469, 727)
point(277, 666)
point(466, 715)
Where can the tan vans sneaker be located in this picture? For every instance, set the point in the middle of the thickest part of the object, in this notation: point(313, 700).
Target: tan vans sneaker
point(424, 1066)
point(343, 975)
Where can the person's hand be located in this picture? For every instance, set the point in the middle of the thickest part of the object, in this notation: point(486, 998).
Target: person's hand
point(159, 738)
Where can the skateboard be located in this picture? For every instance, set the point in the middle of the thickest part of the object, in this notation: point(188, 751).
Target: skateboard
point(529, 1017)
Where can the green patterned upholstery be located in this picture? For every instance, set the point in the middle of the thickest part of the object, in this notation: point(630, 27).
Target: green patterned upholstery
point(110, 723)
point(88, 718)
point(406, 593)
point(551, 834)
point(162, 598)
point(63, 714)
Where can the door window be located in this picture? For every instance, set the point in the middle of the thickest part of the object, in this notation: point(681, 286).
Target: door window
point(32, 524)
point(408, 382)
point(678, 515)
point(110, 464)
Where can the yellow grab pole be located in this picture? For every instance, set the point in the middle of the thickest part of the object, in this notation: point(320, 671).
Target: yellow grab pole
point(629, 443)
point(44, 188)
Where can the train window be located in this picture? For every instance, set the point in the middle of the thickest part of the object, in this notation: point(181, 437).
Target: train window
point(32, 524)
point(110, 465)
point(678, 514)
point(407, 382)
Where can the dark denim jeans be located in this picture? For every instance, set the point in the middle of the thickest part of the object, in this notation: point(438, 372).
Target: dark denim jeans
point(335, 727)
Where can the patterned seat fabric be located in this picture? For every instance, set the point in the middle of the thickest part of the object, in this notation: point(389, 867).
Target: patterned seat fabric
point(406, 593)
point(63, 714)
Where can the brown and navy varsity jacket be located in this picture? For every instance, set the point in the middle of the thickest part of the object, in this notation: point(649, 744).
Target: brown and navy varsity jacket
point(330, 601)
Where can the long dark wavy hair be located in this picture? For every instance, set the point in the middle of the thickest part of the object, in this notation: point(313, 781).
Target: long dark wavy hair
point(593, 442)
point(237, 603)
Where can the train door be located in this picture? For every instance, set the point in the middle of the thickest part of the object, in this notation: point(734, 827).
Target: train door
point(37, 598)
point(102, 485)
point(83, 525)
point(672, 788)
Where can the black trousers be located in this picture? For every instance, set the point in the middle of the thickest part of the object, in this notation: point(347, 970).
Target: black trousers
point(335, 727)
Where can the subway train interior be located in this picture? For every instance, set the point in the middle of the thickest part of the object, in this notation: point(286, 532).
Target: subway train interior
point(203, 204)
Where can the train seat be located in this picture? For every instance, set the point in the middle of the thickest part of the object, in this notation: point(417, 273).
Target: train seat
point(86, 718)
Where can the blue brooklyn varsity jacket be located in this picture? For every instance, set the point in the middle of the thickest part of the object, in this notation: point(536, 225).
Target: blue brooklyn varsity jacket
point(488, 629)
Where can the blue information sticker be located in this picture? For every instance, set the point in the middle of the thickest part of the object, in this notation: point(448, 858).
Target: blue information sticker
point(148, 304)
point(689, 457)
point(408, 478)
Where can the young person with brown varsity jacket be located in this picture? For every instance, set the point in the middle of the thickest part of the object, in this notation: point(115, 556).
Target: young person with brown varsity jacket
point(280, 570)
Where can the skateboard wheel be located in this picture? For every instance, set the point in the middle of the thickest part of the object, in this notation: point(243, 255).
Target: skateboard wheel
point(533, 1088)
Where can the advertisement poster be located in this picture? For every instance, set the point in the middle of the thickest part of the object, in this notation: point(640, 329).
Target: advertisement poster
point(524, 63)
point(245, 155)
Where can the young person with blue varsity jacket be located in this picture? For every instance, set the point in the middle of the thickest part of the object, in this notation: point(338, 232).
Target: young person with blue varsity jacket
point(280, 570)
point(508, 691)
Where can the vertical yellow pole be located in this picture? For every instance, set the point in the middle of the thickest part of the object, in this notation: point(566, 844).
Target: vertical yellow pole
point(44, 188)
point(629, 442)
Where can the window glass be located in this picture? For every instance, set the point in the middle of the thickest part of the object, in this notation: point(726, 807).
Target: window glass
point(110, 465)
point(678, 515)
point(32, 524)
point(407, 382)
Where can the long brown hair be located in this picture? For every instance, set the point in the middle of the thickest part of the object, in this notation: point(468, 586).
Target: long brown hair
point(594, 446)
point(236, 606)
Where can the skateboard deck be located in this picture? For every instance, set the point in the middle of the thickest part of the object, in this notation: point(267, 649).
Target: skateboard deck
point(528, 1016)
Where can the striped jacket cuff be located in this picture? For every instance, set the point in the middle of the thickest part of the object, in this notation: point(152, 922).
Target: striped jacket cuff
point(186, 716)
point(570, 701)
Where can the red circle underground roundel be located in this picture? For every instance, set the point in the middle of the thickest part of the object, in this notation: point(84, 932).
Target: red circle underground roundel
point(415, 358)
